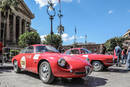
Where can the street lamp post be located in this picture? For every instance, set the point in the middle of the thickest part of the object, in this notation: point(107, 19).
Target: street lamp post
point(51, 12)
point(60, 27)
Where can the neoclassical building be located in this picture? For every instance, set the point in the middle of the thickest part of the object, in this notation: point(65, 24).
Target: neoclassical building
point(127, 35)
point(17, 23)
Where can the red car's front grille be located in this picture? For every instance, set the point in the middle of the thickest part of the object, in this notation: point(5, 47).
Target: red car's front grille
point(79, 73)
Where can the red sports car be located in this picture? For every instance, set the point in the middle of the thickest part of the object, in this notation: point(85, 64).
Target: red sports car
point(46, 61)
point(98, 61)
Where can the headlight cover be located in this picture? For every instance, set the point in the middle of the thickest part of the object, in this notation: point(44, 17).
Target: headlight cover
point(62, 62)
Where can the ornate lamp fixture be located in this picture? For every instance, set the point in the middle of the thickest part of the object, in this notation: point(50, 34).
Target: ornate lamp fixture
point(51, 12)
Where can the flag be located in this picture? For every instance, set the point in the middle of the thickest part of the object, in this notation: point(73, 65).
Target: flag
point(75, 30)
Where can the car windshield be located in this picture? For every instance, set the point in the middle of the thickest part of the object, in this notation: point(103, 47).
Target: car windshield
point(41, 49)
point(85, 51)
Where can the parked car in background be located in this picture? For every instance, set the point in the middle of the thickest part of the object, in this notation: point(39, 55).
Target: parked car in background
point(46, 61)
point(98, 61)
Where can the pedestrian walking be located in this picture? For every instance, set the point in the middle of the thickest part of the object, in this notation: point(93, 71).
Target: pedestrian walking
point(124, 55)
point(118, 54)
point(128, 59)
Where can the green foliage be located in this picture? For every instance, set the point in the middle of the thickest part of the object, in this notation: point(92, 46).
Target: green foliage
point(8, 5)
point(111, 43)
point(29, 38)
point(56, 40)
point(14, 52)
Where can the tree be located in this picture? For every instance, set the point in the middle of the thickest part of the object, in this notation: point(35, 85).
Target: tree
point(7, 6)
point(29, 38)
point(56, 40)
point(111, 43)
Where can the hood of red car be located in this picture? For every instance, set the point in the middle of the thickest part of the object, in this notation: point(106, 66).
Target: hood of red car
point(74, 61)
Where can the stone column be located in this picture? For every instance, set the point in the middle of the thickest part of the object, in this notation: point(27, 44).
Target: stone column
point(25, 26)
point(20, 26)
point(14, 29)
point(0, 27)
point(8, 29)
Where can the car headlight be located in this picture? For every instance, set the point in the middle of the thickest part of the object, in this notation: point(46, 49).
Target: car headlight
point(62, 62)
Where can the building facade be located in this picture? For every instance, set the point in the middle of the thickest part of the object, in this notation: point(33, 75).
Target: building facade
point(127, 35)
point(17, 23)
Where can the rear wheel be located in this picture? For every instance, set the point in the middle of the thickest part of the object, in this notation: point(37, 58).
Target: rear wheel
point(45, 73)
point(76, 78)
point(16, 67)
point(97, 66)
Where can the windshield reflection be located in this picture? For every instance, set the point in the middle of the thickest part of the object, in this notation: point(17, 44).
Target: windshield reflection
point(41, 49)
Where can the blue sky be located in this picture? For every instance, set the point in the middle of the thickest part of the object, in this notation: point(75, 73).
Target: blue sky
point(99, 19)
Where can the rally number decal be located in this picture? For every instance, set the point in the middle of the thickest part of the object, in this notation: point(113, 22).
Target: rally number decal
point(23, 62)
point(85, 55)
point(36, 56)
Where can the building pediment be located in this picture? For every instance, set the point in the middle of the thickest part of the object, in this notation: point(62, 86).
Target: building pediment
point(23, 8)
point(127, 34)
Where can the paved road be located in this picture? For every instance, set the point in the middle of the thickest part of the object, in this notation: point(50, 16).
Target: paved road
point(113, 77)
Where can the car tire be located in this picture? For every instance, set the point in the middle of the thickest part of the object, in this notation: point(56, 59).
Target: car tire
point(97, 66)
point(78, 79)
point(45, 73)
point(16, 67)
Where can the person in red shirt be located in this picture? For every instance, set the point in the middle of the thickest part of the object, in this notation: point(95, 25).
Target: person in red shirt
point(124, 55)
point(1, 46)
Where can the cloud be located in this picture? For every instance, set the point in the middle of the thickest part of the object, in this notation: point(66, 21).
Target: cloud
point(66, 37)
point(43, 3)
point(81, 37)
point(128, 10)
point(43, 37)
point(110, 12)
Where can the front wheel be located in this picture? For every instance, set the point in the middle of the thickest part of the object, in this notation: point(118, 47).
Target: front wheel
point(45, 73)
point(97, 66)
point(16, 67)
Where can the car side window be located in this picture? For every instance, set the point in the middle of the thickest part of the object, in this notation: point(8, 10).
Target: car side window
point(68, 52)
point(75, 51)
point(29, 49)
point(41, 49)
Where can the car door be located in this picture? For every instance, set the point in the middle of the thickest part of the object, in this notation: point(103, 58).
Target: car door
point(38, 50)
point(29, 53)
